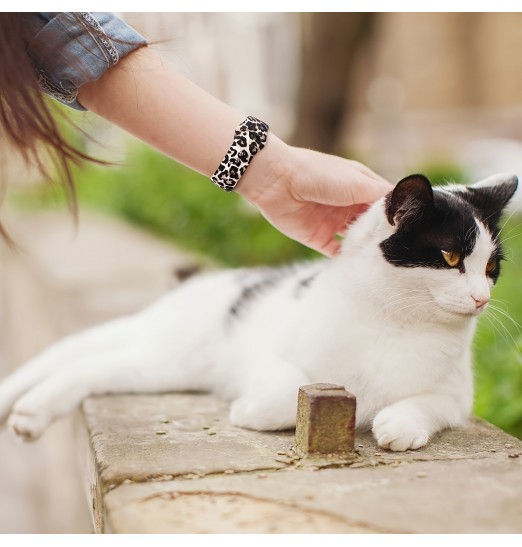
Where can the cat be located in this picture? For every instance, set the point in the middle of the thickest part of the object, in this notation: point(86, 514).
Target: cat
point(391, 318)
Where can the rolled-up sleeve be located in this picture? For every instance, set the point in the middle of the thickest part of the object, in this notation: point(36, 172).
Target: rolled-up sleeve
point(73, 48)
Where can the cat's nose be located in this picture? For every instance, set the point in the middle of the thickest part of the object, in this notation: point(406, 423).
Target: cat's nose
point(480, 301)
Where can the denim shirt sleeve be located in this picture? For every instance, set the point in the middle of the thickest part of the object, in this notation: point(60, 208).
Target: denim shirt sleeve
point(70, 49)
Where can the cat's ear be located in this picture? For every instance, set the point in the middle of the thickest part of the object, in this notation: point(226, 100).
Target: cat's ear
point(410, 201)
point(491, 196)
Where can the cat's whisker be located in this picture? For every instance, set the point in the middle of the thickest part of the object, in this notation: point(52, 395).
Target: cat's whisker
point(506, 315)
point(413, 305)
point(378, 286)
point(509, 338)
point(505, 332)
point(421, 304)
point(496, 331)
point(507, 221)
point(509, 257)
point(506, 238)
point(399, 298)
point(493, 322)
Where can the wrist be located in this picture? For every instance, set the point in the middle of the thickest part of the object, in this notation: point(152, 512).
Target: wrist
point(271, 167)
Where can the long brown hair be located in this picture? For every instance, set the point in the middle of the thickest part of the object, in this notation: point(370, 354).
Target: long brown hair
point(27, 119)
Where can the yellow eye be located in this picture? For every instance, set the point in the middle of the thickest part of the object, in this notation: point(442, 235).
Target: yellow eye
point(452, 258)
point(491, 265)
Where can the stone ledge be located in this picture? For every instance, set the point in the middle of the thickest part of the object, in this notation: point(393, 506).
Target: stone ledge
point(173, 463)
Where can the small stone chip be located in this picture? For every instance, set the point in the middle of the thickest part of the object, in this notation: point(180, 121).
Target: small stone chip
point(508, 445)
point(161, 432)
point(377, 454)
point(422, 474)
point(211, 433)
point(283, 460)
point(513, 455)
point(281, 453)
point(206, 427)
point(493, 450)
point(360, 446)
point(262, 475)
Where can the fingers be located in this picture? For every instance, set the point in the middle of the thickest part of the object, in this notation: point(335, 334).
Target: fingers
point(369, 173)
point(365, 189)
point(329, 249)
point(331, 180)
point(354, 212)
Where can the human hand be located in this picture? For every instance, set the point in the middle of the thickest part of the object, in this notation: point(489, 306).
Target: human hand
point(309, 196)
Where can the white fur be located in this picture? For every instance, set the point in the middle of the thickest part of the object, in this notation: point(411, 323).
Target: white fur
point(398, 338)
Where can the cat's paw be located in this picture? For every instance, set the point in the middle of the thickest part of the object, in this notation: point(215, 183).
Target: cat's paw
point(26, 423)
point(395, 430)
point(250, 413)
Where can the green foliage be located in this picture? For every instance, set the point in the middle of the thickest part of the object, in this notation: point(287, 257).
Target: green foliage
point(184, 207)
point(173, 201)
point(498, 344)
point(442, 172)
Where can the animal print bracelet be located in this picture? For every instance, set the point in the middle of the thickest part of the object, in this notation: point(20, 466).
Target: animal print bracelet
point(249, 138)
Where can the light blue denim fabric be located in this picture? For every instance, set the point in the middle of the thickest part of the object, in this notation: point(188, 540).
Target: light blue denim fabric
point(70, 49)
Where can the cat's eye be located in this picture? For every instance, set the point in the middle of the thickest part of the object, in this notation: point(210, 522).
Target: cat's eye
point(491, 265)
point(452, 258)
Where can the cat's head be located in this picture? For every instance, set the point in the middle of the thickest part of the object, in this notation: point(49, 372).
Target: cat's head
point(441, 246)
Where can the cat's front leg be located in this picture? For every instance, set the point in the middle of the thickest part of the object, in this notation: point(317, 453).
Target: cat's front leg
point(410, 422)
point(269, 400)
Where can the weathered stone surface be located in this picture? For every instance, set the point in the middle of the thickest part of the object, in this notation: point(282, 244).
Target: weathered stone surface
point(199, 474)
point(220, 513)
point(456, 496)
point(142, 437)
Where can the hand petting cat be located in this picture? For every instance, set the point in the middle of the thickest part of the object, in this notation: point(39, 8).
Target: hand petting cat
point(309, 196)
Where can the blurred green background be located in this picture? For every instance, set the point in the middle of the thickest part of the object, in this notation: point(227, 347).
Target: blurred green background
point(177, 204)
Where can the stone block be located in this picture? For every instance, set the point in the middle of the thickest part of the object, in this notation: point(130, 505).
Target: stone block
point(325, 421)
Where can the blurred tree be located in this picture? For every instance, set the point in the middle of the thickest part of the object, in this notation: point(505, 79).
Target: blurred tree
point(331, 43)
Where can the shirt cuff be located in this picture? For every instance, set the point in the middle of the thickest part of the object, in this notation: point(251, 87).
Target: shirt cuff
point(74, 48)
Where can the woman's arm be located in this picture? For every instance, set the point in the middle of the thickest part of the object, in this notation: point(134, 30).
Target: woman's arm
point(306, 195)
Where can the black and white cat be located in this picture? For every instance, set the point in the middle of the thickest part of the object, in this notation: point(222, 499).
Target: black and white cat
point(391, 318)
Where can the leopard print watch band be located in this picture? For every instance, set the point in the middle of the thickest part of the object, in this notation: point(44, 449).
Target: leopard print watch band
point(249, 138)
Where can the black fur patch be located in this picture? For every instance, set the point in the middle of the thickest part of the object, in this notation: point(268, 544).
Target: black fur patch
point(490, 201)
point(449, 227)
point(304, 284)
point(257, 283)
point(432, 221)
